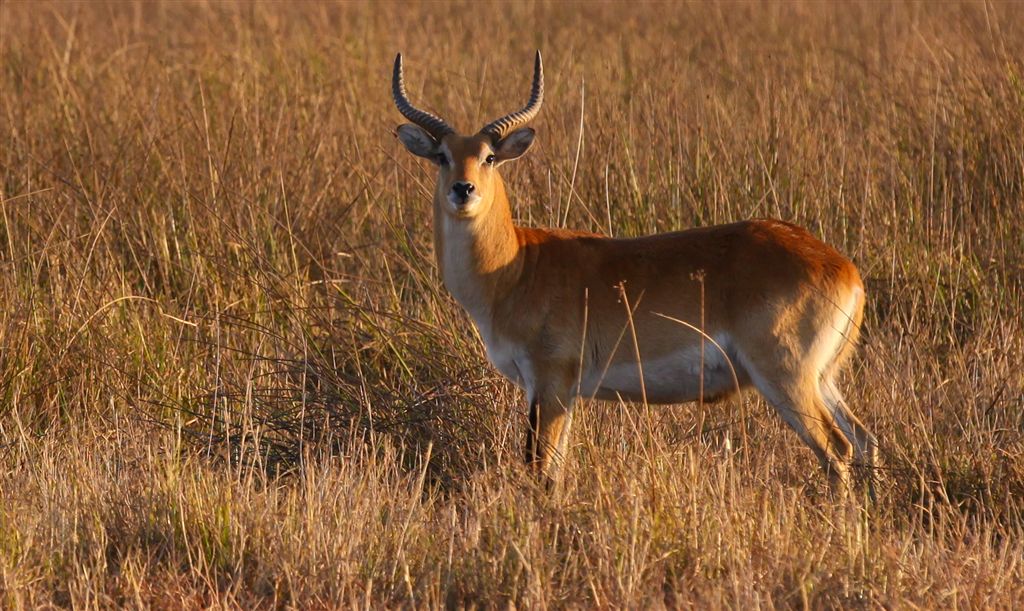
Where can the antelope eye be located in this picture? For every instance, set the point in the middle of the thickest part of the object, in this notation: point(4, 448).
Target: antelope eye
point(489, 160)
point(442, 159)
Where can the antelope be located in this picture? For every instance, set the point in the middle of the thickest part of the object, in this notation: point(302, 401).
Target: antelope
point(565, 314)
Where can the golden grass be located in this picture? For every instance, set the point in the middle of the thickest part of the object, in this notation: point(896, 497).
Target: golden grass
point(230, 377)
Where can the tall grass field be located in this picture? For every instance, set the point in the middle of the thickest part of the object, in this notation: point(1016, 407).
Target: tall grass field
point(230, 375)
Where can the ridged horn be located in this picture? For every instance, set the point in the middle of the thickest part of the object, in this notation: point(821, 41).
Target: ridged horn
point(435, 125)
point(502, 127)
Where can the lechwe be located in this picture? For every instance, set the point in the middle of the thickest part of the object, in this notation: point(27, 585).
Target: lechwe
point(566, 314)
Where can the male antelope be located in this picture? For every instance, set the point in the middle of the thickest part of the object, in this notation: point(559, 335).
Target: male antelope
point(565, 313)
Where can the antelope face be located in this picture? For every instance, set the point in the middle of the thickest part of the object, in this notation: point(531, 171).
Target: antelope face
point(467, 168)
point(467, 165)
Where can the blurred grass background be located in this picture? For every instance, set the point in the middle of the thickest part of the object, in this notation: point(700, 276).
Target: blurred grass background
point(229, 375)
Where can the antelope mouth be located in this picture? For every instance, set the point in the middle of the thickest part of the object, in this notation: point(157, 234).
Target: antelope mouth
point(462, 207)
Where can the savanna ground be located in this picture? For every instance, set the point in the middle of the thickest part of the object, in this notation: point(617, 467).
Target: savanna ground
point(229, 375)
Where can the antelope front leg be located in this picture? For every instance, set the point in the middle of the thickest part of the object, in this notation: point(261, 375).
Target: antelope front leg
point(547, 436)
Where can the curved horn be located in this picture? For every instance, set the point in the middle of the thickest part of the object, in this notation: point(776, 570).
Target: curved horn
point(502, 127)
point(433, 124)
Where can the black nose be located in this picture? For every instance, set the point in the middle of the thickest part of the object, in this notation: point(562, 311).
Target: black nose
point(463, 189)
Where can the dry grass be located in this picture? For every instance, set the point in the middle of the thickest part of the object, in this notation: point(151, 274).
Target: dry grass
point(230, 377)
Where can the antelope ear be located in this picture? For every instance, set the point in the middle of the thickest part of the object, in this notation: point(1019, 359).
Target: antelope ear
point(515, 144)
point(418, 141)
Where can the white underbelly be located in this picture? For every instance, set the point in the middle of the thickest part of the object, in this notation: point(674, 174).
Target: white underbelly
point(679, 377)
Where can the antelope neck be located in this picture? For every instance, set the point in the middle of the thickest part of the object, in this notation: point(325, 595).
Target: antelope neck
point(477, 256)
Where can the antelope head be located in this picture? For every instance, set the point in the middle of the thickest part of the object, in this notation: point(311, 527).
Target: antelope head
point(468, 181)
